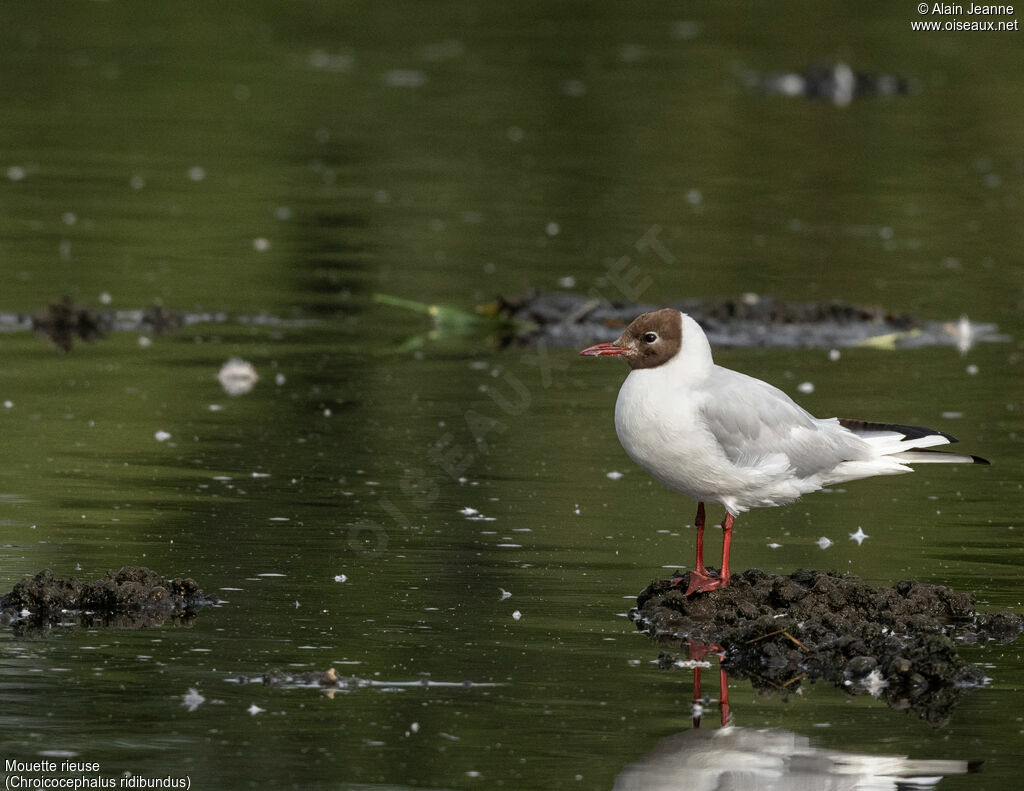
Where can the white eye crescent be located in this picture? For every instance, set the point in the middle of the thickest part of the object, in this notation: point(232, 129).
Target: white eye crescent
point(649, 337)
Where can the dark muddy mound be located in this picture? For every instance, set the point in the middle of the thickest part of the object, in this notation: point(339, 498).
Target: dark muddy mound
point(899, 643)
point(132, 597)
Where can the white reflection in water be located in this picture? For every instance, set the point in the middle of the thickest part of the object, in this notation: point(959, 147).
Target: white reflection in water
point(770, 759)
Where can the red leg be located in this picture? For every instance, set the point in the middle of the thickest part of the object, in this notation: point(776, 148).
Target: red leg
point(701, 580)
point(698, 522)
point(726, 543)
point(723, 696)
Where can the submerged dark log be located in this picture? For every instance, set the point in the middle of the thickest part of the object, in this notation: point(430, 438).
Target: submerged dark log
point(563, 319)
point(576, 320)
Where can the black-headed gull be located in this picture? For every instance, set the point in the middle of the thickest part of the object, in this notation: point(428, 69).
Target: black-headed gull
point(720, 436)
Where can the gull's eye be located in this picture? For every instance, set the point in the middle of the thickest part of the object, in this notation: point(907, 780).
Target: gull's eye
point(649, 337)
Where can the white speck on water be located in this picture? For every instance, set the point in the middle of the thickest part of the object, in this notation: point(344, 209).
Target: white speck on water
point(859, 536)
point(161, 436)
point(964, 335)
point(197, 173)
point(271, 574)
point(254, 710)
point(105, 298)
point(15, 172)
point(834, 355)
point(261, 475)
point(237, 376)
point(694, 197)
point(145, 341)
point(8, 404)
point(952, 415)
point(516, 615)
point(576, 509)
point(260, 244)
point(322, 60)
point(215, 407)
point(824, 543)
point(613, 475)
point(137, 182)
point(505, 594)
point(404, 78)
point(574, 88)
point(567, 282)
point(69, 218)
point(467, 511)
point(473, 773)
point(509, 546)
point(805, 387)
point(552, 228)
point(279, 519)
point(414, 727)
point(340, 578)
point(685, 29)
point(972, 369)
point(773, 545)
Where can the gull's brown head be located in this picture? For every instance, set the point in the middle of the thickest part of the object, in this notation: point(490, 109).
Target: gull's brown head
point(652, 339)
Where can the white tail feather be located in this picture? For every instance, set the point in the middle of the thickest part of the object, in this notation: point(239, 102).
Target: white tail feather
point(933, 457)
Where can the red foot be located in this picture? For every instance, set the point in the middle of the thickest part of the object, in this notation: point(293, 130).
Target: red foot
point(702, 581)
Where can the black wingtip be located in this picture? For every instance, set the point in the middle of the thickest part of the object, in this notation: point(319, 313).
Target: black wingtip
point(979, 460)
point(908, 432)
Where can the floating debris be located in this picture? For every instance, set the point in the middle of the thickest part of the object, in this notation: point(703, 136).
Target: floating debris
point(331, 682)
point(835, 82)
point(64, 322)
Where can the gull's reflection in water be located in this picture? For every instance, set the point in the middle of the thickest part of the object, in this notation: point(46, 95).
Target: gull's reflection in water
point(733, 758)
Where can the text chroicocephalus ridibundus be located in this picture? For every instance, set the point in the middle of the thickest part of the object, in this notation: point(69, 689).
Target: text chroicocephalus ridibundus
point(720, 436)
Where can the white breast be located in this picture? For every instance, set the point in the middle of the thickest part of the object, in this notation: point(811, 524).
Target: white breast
point(658, 425)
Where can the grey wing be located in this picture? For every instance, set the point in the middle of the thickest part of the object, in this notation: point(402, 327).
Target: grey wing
point(754, 422)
